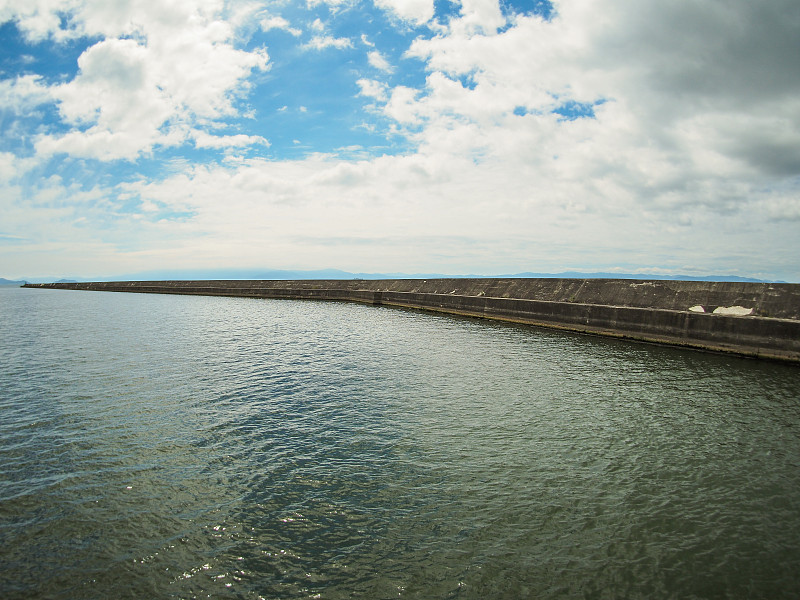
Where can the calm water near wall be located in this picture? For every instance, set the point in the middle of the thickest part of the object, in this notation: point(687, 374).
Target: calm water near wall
point(179, 447)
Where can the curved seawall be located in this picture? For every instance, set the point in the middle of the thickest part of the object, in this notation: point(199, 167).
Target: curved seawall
point(752, 319)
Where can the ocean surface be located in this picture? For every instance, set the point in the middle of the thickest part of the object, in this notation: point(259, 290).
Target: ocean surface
point(197, 447)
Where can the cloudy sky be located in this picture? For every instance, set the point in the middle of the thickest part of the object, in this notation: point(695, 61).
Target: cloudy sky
point(407, 136)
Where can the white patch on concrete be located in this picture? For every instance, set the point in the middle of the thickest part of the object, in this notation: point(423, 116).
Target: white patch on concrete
point(697, 308)
point(736, 311)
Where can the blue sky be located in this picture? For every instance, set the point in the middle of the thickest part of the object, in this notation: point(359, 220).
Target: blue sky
point(400, 136)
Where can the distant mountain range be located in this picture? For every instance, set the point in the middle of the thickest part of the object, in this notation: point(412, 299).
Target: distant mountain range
point(9, 282)
point(165, 275)
point(34, 280)
point(577, 275)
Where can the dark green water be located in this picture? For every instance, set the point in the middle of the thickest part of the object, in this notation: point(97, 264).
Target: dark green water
point(181, 447)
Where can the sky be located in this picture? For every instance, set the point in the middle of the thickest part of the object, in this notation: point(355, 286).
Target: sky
point(415, 136)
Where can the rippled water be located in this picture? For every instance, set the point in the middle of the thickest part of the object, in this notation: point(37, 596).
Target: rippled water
point(173, 446)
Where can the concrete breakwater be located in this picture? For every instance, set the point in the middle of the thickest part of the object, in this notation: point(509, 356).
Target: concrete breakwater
point(752, 319)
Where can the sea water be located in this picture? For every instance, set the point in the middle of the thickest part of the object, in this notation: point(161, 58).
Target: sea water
point(159, 446)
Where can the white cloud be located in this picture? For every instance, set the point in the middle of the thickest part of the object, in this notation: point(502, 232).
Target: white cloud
point(413, 209)
point(377, 60)
point(332, 4)
point(402, 106)
point(372, 89)
point(783, 208)
point(36, 19)
point(273, 22)
point(98, 143)
point(680, 124)
point(686, 156)
point(66, 19)
point(23, 94)
point(158, 68)
point(205, 140)
point(13, 167)
point(321, 42)
point(414, 11)
point(479, 16)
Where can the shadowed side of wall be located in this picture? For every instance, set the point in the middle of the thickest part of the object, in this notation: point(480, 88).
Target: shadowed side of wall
point(753, 319)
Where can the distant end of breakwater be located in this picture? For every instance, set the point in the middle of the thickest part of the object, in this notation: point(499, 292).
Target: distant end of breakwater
point(751, 319)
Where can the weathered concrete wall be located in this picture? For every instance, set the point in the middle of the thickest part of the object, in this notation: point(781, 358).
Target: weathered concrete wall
point(765, 320)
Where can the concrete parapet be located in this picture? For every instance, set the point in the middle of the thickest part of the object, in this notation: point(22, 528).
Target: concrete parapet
point(754, 319)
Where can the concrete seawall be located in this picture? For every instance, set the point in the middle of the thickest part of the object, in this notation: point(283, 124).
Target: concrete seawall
point(752, 319)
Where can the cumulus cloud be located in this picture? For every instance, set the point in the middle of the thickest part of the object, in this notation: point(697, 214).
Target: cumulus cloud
point(479, 16)
point(692, 96)
point(205, 140)
point(13, 167)
point(157, 68)
point(377, 60)
point(23, 94)
point(272, 22)
point(372, 89)
point(332, 4)
point(68, 19)
point(465, 212)
point(414, 11)
point(320, 42)
point(627, 134)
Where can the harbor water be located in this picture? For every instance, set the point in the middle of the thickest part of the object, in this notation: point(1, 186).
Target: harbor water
point(156, 446)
